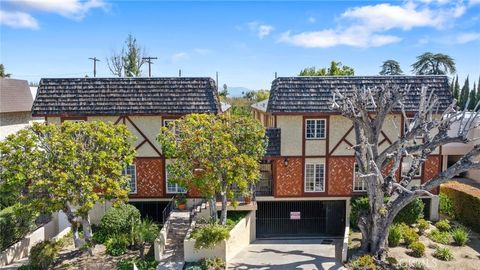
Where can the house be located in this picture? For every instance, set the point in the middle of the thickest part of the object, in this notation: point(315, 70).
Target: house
point(259, 112)
point(308, 174)
point(144, 105)
point(15, 106)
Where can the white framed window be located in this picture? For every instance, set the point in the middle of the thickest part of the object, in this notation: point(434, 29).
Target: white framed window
point(131, 172)
point(358, 183)
point(407, 164)
point(173, 188)
point(315, 128)
point(314, 177)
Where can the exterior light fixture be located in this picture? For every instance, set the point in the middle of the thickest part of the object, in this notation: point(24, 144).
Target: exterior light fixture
point(285, 161)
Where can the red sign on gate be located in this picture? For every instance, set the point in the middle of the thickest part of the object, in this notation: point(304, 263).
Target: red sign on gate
point(295, 215)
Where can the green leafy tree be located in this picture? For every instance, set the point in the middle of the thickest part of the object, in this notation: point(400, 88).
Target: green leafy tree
point(212, 153)
point(2, 72)
point(335, 69)
point(224, 93)
point(456, 90)
point(391, 67)
point(464, 94)
point(65, 167)
point(258, 95)
point(434, 64)
point(133, 59)
point(473, 98)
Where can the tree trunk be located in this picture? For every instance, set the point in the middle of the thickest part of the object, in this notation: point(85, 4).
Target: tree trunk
point(223, 215)
point(213, 209)
point(74, 223)
point(87, 232)
point(374, 230)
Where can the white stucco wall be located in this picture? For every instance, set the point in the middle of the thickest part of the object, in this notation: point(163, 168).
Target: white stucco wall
point(291, 134)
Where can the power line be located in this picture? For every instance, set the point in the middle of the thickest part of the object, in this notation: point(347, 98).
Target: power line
point(149, 61)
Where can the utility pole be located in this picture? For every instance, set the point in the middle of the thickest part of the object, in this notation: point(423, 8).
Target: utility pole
point(95, 60)
point(149, 61)
point(179, 73)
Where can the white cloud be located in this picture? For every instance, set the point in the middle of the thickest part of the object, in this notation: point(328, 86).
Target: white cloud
point(179, 57)
point(354, 36)
point(17, 19)
point(202, 51)
point(368, 26)
point(74, 9)
point(466, 37)
point(312, 19)
point(261, 30)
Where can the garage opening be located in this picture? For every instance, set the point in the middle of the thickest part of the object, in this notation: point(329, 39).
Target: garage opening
point(150, 209)
point(276, 219)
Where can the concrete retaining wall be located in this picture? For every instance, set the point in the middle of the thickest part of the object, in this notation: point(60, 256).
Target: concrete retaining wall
point(240, 237)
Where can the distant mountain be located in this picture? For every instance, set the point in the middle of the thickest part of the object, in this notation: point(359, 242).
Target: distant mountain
point(237, 91)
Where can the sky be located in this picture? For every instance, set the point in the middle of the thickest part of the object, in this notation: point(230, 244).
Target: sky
point(245, 42)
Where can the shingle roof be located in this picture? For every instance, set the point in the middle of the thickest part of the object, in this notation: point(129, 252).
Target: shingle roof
point(314, 94)
point(125, 96)
point(273, 148)
point(15, 96)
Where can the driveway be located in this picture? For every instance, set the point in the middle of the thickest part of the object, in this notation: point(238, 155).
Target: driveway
point(289, 254)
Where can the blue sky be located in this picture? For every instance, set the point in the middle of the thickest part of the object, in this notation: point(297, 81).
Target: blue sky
point(246, 42)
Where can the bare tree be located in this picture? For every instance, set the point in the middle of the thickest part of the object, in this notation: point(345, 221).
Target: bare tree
point(115, 62)
point(368, 109)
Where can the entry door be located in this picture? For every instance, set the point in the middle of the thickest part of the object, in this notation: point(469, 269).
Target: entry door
point(300, 218)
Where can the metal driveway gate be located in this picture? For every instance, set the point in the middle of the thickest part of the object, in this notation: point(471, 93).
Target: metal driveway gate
point(300, 218)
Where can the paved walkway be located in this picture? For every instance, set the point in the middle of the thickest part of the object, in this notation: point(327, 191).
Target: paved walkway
point(173, 255)
point(289, 254)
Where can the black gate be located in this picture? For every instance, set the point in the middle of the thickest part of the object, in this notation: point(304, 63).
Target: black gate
point(150, 209)
point(300, 218)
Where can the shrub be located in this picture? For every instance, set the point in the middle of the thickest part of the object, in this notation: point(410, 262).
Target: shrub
point(409, 234)
point(118, 220)
point(212, 264)
point(15, 223)
point(358, 204)
point(460, 236)
point(443, 225)
point(143, 232)
point(466, 203)
point(394, 235)
point(443, 253)
point(209, 235)
point(192, 266)
point(27, 267)
point(422, 225)
point(403, 266)
point(417, 249)
point(117, 245)
point(440, 237)
point(446, 206)
point(127, 264)
point(392, 260)
point(364, 262)
point(419, 266)
point(410, 213)
point(44, 254)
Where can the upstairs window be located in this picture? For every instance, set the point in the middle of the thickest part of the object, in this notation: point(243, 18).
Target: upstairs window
point(358, 182)
point(314, 177)
point(315, 129)
point(173, 188)
point(131, 172)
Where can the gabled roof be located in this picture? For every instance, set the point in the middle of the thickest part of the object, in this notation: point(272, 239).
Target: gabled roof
point(261, 106)
point(15, 96)
point(125, 96)
point(314, 94)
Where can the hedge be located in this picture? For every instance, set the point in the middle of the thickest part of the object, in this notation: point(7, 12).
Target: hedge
point(466, 203)
point(15, 223)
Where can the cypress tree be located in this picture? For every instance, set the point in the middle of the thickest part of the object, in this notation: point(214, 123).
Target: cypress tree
point(464, 94)
point(452, 85)
point(473, 99)
point(478, 89)
point(456, 91)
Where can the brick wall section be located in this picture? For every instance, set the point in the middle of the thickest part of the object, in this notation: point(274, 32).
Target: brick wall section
point(150, 177)
point(340, 175)
point(289, 179)
point(431, 168)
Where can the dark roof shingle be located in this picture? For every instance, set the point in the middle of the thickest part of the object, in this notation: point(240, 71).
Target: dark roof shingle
point(125, 96)
point(273, 148)
point(314, 94)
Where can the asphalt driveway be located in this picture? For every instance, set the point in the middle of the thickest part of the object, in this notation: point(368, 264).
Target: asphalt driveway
point(289, 254)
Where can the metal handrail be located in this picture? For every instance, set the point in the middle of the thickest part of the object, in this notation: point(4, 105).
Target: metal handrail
point(168, 209)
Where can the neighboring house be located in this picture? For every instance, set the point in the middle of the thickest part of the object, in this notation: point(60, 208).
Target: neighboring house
point(454, 151)
point(308, 174)
point(144, 105)
point(259, 111)
point(15, 106)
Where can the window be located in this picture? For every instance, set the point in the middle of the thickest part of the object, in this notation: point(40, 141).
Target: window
point(314, 177)
point(406, 164)
point(315, 129)
point(173, 188)
point(358, 183)
point(131, 172)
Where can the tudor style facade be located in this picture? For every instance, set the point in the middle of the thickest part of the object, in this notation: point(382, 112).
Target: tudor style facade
point(310, 162)
point(144, 105)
